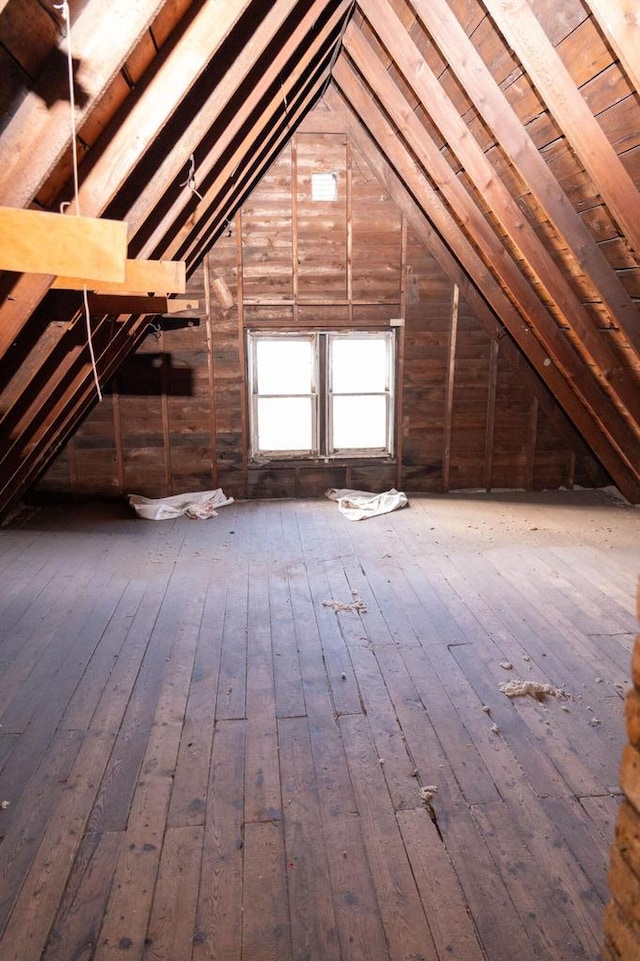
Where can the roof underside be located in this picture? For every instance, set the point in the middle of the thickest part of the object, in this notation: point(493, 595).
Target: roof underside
point(508, 132)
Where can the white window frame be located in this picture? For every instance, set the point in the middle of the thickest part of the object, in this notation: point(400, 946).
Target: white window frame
point(321, 394)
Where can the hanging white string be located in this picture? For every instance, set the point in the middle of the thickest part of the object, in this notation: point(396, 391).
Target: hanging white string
point(190, 182)
point(64, 7)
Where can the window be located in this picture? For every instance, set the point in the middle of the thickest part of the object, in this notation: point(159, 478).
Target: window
point(321, 394)
point(324, 187)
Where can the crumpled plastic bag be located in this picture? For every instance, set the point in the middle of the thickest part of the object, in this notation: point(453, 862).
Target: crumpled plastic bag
point(358, 505)
point(198, 505)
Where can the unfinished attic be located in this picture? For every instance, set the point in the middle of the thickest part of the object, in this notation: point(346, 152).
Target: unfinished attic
point(268, 250)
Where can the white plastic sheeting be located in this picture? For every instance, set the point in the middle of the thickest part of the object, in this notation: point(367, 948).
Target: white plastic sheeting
point(358, 505)
point(199, 505)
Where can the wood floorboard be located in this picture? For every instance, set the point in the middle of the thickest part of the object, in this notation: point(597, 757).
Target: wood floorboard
point(216, 735)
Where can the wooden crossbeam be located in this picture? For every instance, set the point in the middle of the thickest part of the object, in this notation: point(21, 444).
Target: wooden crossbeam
point(101, 304)
point(39, 242)
point(141, 277)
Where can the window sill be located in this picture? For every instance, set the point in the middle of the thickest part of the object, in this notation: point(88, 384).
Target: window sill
point(281, 463)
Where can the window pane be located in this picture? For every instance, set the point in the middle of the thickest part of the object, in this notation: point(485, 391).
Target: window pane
point(284, 366)
point(358, 365)
point(359, 422)
point(285, 423)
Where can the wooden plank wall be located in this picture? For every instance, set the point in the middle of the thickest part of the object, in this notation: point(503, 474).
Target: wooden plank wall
point(176, 417)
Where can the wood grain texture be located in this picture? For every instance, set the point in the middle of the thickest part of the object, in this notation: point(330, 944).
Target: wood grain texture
point(204, 760)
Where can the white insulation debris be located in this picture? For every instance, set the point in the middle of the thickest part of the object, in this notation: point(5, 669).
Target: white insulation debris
point(427, 793)
point(358, 606)
point(197, 505)
point(358, 505)
point(533, 688)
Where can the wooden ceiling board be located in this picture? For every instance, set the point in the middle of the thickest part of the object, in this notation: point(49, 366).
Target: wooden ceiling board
point(584, 53)
point(530, 165)
point(480, 171)
point(518, 24)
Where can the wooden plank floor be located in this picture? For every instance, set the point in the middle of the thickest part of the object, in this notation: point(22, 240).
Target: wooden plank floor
point(204, 759)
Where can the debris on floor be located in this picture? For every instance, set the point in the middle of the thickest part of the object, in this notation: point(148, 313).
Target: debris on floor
point(533, 688)
point(427, 793)
point(358, 505)
point(359, 606)
point(4, 805)
point(197, 505)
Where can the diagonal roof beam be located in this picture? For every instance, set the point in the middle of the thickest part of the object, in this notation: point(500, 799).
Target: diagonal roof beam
point(151, 112)
point(521, 29)
point(211, 110)
point(492, 105)
point(498, 259)
point(42, 134)
point(433, 242)
point(620, 458)
point(177, 211)
point(618, 20)
point(77, 399)
point(278, 118)
point(280, 130)
point(435, 101)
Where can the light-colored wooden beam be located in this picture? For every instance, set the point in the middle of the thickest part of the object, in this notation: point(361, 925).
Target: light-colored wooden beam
point(38, 242)
point(619, 21)
point(521, 29)
point(140, 277)
point(492, 105)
